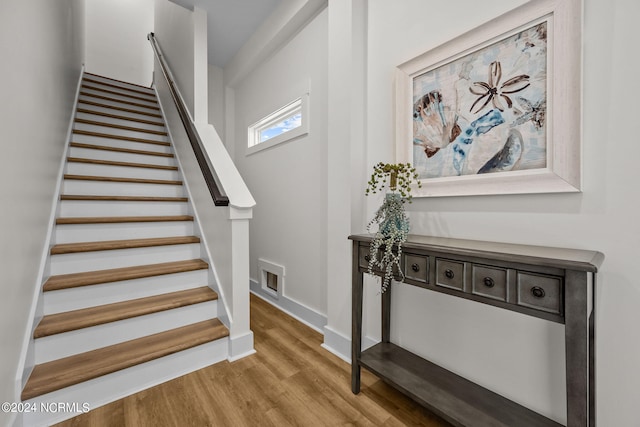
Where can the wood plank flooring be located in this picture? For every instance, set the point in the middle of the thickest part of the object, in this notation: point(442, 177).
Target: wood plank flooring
point(119, 150)
point(68, 371)
point(73, 280)
point(72, 248)
point(120, 137)
point(115, 163)
point(92, 316)
point(121, 219)
point(123, 198)
point(290, 381)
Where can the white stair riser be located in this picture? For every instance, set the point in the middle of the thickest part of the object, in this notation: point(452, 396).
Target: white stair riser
point(122, 97)
point(87, 339)
point(120, 132)
point(106, 188)
point(121, 122)
point(78, 168)
point(74, 208)
point(76, 233)
point(110, 142)
point(91, 153)
point(119, 104)
point(109, 110)
point(108, 388)
point(107, 293)
point(103, 260)
point(121, 85)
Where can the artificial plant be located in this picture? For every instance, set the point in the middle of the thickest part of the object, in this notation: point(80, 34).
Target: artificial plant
point(391, 218)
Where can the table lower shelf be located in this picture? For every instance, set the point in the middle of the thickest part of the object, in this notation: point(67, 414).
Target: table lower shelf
point(454, 398)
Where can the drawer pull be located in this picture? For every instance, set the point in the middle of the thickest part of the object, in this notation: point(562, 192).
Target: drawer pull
point(449, 274)
point(415, 267)
point(488, 282)
point(367, 258)
point(537, 292)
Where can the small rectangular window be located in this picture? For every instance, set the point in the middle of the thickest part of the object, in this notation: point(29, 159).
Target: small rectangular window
point(289, 122)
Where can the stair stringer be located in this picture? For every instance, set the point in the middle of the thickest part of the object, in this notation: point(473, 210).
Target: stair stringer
point(231, 258)
point(214, 278)
point(26, 362)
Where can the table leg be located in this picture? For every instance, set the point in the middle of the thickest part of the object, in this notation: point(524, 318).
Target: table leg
point(356, 322)
point(579, 350)
point(386, 315)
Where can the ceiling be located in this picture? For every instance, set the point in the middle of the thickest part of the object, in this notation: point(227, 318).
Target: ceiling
point(230, 23)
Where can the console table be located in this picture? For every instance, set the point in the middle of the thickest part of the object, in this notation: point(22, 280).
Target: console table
point(549, 283)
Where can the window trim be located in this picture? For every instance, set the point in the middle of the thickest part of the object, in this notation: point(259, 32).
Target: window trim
point(253, 131)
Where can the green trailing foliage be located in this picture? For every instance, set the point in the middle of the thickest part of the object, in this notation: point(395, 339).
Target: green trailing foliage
point(391, 218)
point(400, 177)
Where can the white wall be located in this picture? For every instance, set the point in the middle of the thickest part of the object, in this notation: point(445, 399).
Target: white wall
point(42, 46)
point(116, 39)
point(289, 180)
point(216, 99)
point(174, 30)
point(346, 145)
point(486, 344)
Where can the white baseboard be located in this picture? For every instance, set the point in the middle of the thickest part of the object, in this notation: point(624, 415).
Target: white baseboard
point(337, 344)
point(241, 346)
point(302, 313)
point(340, 345)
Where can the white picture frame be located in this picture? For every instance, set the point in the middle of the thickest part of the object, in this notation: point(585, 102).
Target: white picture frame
point(559, 167)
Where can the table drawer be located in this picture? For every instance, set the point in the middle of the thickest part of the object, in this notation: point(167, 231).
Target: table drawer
point(540, 292)
point(490, 282)
point(450, 274)
point(364, 254)
point(416, 268)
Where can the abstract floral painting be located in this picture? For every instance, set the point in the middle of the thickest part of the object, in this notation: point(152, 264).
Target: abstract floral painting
point(484, 112)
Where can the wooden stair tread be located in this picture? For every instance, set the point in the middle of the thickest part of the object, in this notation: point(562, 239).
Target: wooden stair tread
point(116, 116)
point(150, 97)
point(123, 198)
point(108, 98)
point(126, 164)
point(119, 150)
point(74, 280)
point(121, 179)
point(122, 127)
point(107, 245)
point(118, 81)
point(87, 317)
point(119, 219)
point(120, 137)
point(93, 81)
point(61, 373)
point(127, 110)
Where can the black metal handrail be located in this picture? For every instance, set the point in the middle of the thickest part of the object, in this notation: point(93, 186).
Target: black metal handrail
point(215, 189)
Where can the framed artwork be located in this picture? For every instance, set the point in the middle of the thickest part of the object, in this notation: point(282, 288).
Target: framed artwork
point(497, 110)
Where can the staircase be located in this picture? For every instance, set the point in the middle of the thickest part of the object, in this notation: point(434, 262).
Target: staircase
point(129, 302)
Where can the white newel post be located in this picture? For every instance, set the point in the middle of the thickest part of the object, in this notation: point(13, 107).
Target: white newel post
point(241, 337)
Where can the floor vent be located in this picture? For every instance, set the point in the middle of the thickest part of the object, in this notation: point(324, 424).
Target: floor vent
point(271, 277)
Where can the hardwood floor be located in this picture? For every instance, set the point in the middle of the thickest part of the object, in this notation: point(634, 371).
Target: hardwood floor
point(290, 381)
